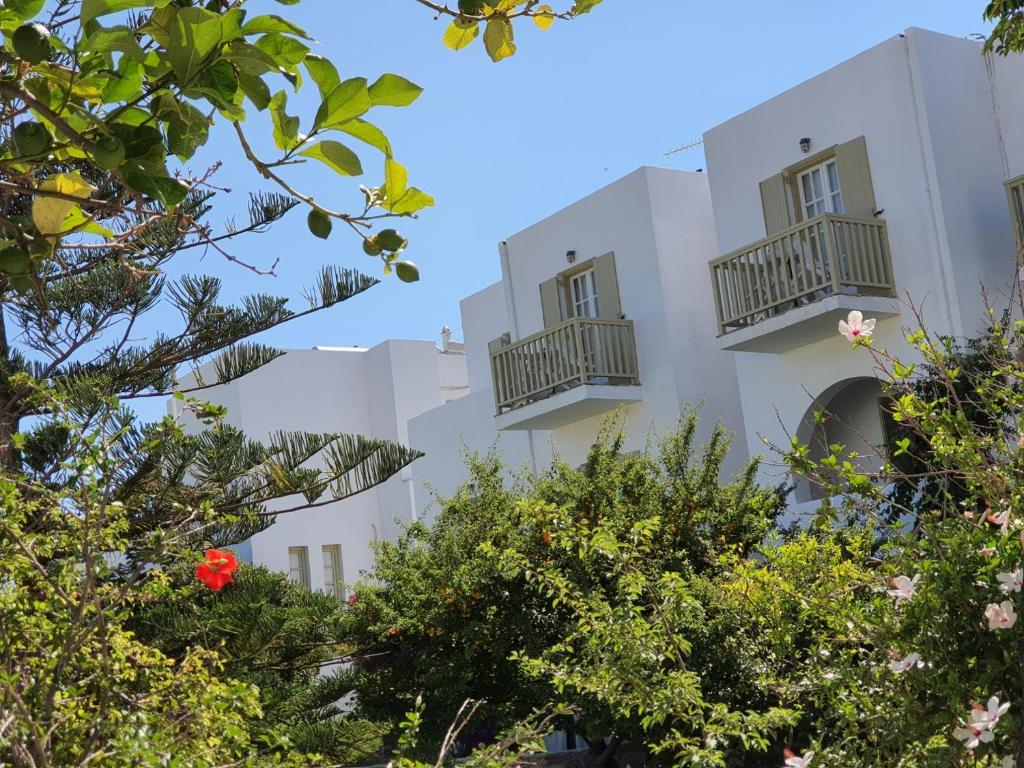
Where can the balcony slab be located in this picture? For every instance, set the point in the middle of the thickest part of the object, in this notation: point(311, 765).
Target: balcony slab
point(564, 408)
point(806, 324)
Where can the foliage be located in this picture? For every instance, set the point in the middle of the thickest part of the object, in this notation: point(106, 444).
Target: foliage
point(496, 17)
point(1007, 35)
point(103, 103)
point(436, 616)
point(598, 588)
point(276, 636)
point(76, 685)
point(939, 635)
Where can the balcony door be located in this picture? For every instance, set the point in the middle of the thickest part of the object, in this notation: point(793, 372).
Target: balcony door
point(819, 190)
point(820, 194)
point(584, 298)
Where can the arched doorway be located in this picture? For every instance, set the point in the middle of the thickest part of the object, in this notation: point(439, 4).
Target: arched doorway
point(853, 417)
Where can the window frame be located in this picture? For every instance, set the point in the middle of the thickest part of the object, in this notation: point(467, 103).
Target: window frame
point(303, 555)
point(828, 194)
point(1015, 198)
point(331, 553)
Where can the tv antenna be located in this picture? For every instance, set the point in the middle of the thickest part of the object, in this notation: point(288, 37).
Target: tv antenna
point(685, 147)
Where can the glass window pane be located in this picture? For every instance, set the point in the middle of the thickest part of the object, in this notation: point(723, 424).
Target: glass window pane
point(816, 180)
point(833, 177)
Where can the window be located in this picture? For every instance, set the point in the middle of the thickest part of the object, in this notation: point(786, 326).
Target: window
point(1015, 189)
point(589, 289)
point(298, 565)
point(333, 582)
point(583, 288)
point(819, 190)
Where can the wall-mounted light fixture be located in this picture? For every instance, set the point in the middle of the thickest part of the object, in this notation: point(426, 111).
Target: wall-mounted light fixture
point(805, 145)
point(570, 256)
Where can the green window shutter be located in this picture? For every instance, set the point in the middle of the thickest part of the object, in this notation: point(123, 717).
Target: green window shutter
point(607, 282)
point(549, 302)
point(855, 179)
point(775, 204)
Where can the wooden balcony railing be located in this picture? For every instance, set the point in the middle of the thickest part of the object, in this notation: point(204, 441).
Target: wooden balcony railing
point(578, 351)
point(820, 257)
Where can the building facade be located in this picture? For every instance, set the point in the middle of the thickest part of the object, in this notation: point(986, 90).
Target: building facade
point(373, 392)
point(891, 184)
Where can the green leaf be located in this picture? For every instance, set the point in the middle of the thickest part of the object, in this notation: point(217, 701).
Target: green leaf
point(396, 179)
point(187, 131)
point(319, 224)
point(93, 8)
point(168, 191)
point(393, 91)
point(24, 9)
point(286, 127)
point(125, 83)
point(114, 39)
point(367, 133)
point(287, 52)
point(272, 23)
point(219, 84)
point(194, 35)
point(461, 33)
point(336, 156)
point(255, 89)
point(412, 201)
point(323, 72)
point(248, 58)
point(347, 101)
point(498, 38)
point(407, 271)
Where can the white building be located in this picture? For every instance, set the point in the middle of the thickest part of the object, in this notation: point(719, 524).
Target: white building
point(902, 192)
point(372, 392)
point(883, 178)
point(606, 308)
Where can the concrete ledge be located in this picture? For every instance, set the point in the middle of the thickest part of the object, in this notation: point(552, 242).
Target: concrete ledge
point(569, 406)
point(806, 324)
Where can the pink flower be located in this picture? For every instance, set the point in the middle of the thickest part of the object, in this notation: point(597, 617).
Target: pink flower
point(855, 326)
point(1000, 616)
point(899, 666)
point(353, 598)
point(989, 716)
point(1012, 581)
point(987, 551)
point(792, 761)
point(1002, 519)
point(972, 735)
point(903, 588)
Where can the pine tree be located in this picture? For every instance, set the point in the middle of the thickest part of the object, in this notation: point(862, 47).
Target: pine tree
point(103, 104)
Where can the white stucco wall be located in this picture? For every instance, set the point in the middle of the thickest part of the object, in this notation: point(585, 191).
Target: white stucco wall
point(372, 392)
point(658, 223)
point(483, 319)
point(925, 105)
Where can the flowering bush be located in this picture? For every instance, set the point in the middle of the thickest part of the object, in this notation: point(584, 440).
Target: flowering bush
point(934, 676)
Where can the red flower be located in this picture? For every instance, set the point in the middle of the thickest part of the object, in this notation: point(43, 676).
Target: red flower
point(217, 570)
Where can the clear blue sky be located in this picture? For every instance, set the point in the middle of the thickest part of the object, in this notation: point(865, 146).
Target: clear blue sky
point(503, 145)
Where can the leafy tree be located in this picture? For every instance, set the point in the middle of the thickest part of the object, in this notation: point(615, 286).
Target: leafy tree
point(437, 617)
point(525, 595)
point(280, 638)
point(102, 105)
point(936, 679)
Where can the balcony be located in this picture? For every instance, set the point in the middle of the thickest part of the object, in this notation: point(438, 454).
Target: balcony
point(580, 368)
point(791, 288)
